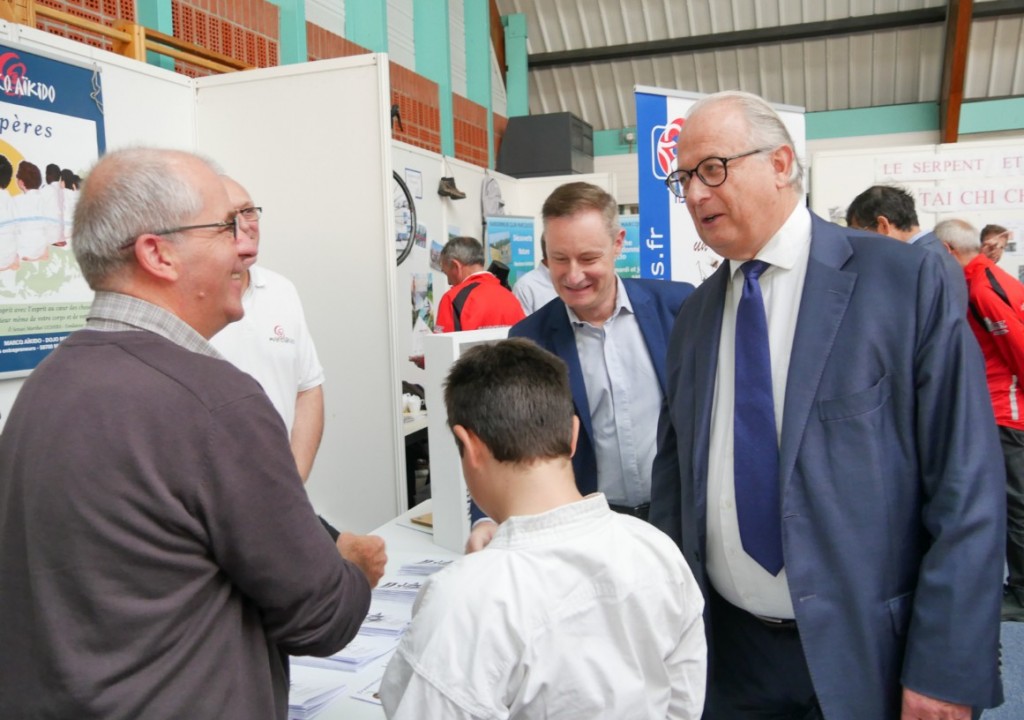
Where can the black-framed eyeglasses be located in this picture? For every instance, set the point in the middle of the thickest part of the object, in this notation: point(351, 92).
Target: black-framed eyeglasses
point(712, 171)
point(250, 214)
point(232, 223)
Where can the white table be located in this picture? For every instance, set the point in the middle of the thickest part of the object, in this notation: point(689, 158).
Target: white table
point(406, 543)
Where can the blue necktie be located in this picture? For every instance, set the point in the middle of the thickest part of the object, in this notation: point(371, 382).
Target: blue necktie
point(756, 449)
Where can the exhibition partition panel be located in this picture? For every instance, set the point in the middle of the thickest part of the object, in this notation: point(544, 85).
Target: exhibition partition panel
point(312, 145)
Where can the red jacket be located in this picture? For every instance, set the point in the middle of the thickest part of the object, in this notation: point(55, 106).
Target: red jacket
point(488, 304)
point(1000, 335)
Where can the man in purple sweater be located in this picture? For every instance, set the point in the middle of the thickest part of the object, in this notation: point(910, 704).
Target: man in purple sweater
point(158, 554)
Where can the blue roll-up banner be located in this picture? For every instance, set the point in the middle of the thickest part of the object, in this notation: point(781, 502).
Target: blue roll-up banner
point(51, 115)
point(669, 245)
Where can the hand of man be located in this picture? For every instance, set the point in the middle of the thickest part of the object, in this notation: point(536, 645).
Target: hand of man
point(367, 552)
point(921, 707)
point(481, 535)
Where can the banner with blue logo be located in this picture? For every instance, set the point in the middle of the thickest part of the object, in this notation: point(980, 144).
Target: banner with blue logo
point(51, 132)
point(670, 247)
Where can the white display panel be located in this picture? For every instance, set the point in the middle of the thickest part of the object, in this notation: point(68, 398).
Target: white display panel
point(311, 144)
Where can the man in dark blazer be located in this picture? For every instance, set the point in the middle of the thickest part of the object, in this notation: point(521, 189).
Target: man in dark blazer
point(890, 211)
point(622, 327)
point(883, 600)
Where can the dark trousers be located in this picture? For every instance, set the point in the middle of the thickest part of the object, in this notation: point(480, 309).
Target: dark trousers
point(757, 670)
point(1013, 455)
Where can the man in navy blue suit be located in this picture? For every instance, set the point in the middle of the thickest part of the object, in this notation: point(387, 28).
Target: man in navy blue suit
point(612, 334)
point(868, 585)
point(890, 211)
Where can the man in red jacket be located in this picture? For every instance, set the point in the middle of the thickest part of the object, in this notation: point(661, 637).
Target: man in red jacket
point(476, 298)
point(996, 315)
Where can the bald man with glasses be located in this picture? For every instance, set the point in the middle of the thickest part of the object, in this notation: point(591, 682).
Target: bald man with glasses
point(159, 555)
point(827, 459)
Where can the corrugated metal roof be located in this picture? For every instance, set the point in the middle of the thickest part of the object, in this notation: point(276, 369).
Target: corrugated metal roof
point(819, 54)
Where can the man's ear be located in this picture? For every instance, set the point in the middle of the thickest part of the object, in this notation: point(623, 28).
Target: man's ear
point(620, 239)
point(155, 256)
point(472, 447)
point(883, 227)
point(782, 159)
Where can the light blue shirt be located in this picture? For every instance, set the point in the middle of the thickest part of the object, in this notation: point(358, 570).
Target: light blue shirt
point(625, 400)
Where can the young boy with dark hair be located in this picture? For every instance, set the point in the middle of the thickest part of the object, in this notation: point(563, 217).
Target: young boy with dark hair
point(572, 610)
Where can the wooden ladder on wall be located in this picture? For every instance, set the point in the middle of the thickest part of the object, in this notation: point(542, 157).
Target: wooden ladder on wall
point(129, 39)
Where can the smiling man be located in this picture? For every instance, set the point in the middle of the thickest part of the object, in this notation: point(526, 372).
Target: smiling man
point(158, 552)
point(812, 458)
point(611, 333)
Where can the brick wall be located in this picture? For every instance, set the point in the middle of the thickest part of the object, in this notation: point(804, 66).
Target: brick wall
point(322, 44)
point(417, 100)
point(500, 123)
point(245, 30)
point(248, 30)
point(100, 11)
point(470, 125)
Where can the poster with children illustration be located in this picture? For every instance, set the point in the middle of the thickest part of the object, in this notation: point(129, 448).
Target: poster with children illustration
point(51, 131)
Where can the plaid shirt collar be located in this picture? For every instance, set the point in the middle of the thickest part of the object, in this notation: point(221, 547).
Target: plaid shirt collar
point(117, 312)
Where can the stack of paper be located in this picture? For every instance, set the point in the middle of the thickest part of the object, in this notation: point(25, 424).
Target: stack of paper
point(399, 591)
point(370, 693)
point(311, 690)
point(426, 566)
point(354, 656)
point(383, 622)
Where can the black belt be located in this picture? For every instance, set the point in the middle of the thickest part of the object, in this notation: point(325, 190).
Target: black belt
point(640, 511)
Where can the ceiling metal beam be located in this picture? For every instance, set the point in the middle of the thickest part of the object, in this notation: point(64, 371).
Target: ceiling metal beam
point(954, 68)
point(767, 36)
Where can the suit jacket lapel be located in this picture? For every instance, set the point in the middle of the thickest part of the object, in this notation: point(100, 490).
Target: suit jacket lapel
point(651, 328)
point(706, 336)
point(826, 295)
point(563, 340)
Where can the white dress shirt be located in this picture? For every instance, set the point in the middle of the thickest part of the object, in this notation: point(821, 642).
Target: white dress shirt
point(574, 613)
point(735, 575)
point(624, 396)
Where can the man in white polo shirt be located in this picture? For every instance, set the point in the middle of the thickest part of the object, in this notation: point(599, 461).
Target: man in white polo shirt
point(272, 343)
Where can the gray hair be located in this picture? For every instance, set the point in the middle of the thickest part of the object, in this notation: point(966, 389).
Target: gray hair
point(766, 127)
point(960, 235)
point(128, 193)
point(466, 250)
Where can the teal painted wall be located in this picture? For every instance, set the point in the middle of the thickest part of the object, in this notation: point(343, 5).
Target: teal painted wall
point(431, 35)
point(477, 17)
point(291, 22)
point(517, 87)
point(156, 15)
point(366, 23)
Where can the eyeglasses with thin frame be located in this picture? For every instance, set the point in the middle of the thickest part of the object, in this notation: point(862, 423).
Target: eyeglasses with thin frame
point(250, 214)
point(712, 171)
point(232, 223)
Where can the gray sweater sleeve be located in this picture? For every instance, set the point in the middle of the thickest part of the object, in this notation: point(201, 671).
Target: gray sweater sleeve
point(265, 536)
